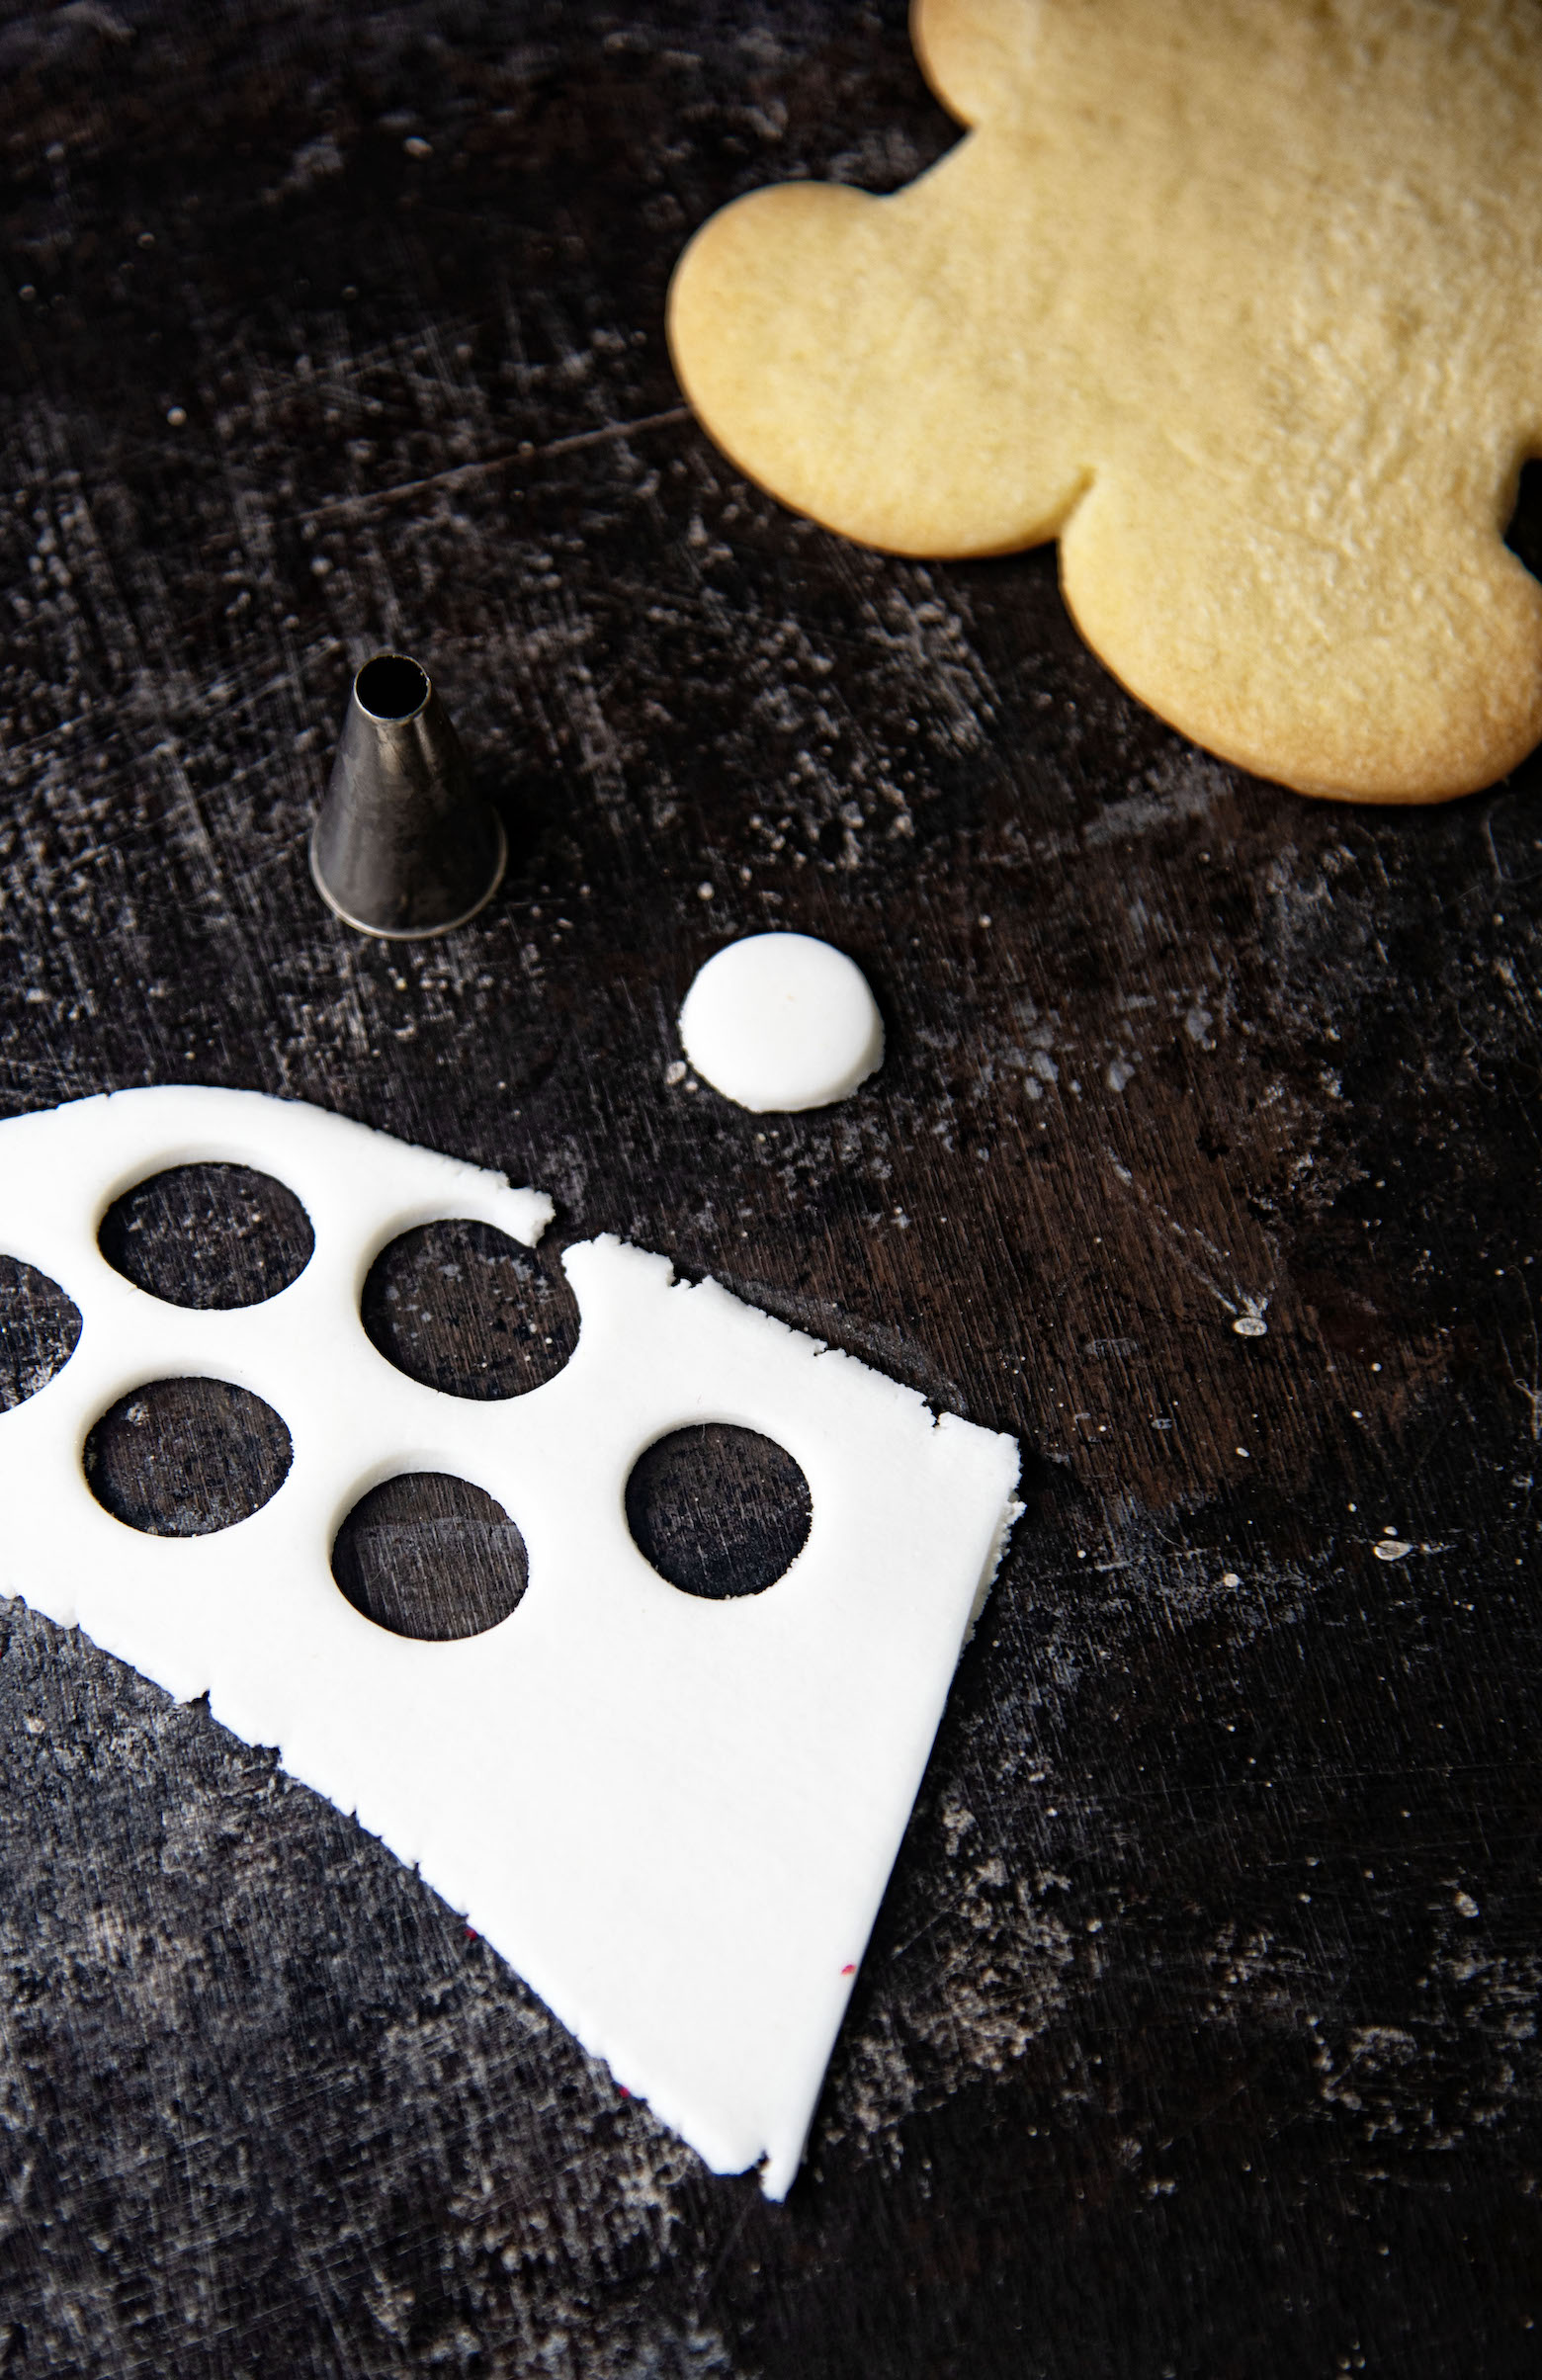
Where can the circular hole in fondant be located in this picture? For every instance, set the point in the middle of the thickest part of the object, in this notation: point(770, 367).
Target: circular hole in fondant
point(719, 1510)
point(429, 1555)
point(182, 1458)
point(207, 1236)
point(39, 1330)
point(462, 1308)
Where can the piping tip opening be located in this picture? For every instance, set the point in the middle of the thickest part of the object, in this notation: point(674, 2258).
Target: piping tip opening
point(391, 688)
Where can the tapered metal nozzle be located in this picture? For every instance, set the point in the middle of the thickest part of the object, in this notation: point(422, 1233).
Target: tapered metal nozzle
point(401, 845)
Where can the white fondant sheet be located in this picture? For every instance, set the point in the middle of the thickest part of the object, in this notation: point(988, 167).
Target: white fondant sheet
point(674, 1818)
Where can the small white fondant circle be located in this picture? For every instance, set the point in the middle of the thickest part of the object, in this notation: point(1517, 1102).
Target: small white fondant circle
point(781, 1022)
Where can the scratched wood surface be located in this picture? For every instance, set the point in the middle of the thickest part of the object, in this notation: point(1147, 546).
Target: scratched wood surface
point(1198, 2033)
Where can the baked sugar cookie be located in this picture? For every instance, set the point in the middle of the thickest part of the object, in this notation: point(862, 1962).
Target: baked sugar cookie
point(1239, 300)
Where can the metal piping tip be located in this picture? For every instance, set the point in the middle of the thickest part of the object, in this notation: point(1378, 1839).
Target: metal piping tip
point(401, 845)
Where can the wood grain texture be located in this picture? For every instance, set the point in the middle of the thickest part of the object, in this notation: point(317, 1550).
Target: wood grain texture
point(1198, 2033)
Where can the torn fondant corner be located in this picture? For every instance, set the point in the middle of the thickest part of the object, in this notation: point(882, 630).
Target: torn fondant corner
point(674, 1818)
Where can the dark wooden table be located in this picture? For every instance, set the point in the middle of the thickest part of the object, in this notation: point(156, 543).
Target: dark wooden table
point(1198, 2033)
